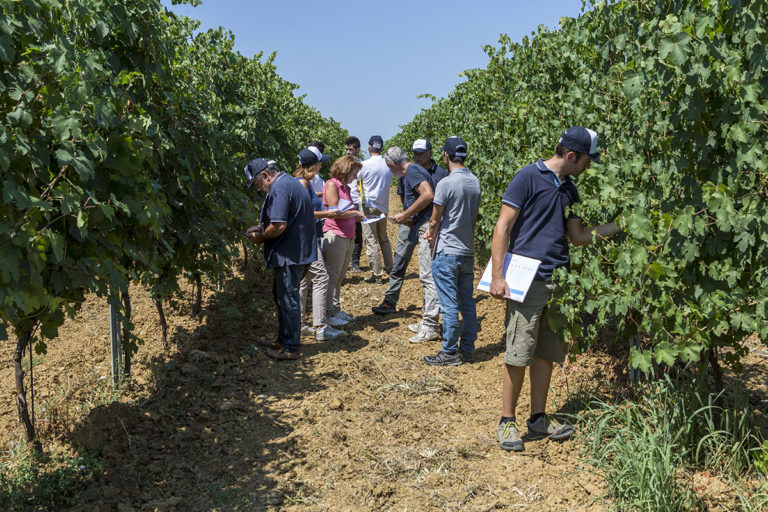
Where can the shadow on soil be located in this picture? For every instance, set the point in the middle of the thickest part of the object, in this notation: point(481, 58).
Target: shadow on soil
point(216, 427)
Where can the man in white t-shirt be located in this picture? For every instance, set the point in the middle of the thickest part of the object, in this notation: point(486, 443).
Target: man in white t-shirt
point(376, 178)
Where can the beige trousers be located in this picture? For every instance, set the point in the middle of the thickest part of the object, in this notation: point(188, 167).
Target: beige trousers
point(375, 236)
point(337, 251)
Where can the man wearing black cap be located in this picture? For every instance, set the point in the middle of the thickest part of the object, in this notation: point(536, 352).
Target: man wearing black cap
point(287, 230)
point(534, 223)
point(451, 235)
point(375, 179)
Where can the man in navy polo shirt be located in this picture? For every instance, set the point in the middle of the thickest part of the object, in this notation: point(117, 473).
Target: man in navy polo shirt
point(287, 230)
point(418, 188)
point(422, 155)
point(533, 223)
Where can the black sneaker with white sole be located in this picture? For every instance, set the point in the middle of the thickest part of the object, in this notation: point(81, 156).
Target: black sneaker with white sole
point(443, 358)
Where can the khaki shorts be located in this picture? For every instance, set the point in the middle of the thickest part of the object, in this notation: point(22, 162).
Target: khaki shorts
point(528, 332)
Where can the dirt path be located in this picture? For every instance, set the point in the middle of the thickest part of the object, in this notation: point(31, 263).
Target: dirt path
point(357, 424)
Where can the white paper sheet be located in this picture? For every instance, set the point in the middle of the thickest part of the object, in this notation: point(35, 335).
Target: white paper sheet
point(371, 220)
point(345, 205)
point(519, 272)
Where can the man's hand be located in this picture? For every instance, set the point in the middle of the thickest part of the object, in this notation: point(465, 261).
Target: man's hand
point(402, 218)
point(621, 223)
point(499, 288)
point(254, 233)
point(430, 238)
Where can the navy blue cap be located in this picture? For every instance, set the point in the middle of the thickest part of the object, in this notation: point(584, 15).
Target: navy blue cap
point(583, 140)
point(311, 155)
point(376, 142)
point(253, 168)
point(455, 146)
point(420, 145)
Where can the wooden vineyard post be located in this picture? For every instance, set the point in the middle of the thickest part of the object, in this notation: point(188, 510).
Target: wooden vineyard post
point(116, 344)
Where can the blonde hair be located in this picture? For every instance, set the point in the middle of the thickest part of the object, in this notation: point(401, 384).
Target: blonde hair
point(304, 172)
point(343, 168)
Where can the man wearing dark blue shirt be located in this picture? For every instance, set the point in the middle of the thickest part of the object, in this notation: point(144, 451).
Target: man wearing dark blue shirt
point(422, 155)
point(418, 192)
point(288, 233)
point(535, 222)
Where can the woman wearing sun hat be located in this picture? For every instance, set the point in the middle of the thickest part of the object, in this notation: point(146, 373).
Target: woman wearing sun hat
point(310, 161)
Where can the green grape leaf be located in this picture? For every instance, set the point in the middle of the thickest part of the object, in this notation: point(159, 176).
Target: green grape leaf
point(675, 48)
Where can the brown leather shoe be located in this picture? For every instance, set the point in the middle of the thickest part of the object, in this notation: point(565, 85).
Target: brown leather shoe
point(269, 344)
point(281, 354)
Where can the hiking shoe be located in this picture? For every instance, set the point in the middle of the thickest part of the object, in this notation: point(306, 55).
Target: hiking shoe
point(373, 280)
point(307, 330)
point(443, 358)
point(424, 334)
point(467, 357)
point(281, 354)
point(509, 436)
point(328, 333)
point(336, 321)
point(415, 327)
point(354, 268)
point(345, 316)
point(384, 309)
point(265, 343)
point(551, 428)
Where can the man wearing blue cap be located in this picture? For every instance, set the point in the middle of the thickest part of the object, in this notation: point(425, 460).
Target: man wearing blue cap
point(533, 223)
point(287, 230)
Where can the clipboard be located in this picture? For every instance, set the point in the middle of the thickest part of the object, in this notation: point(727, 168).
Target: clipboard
point(519, 272)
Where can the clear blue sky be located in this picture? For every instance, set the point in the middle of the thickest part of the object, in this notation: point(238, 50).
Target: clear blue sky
point(365, 63)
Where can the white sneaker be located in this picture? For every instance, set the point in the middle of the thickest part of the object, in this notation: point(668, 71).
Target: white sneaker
point(415, 327)
point(345, 316)
point(328, 333)
point(336, 321)
point(307, 330)
point(425, 334)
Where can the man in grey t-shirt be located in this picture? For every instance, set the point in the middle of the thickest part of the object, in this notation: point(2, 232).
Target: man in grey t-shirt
point(451, 234)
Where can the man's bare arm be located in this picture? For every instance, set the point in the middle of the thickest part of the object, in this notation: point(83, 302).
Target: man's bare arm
point(578, 234)
point(434, 224)
point(504, 225)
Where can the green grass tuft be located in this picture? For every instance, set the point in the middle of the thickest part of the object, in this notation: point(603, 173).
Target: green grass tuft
point(649, 447)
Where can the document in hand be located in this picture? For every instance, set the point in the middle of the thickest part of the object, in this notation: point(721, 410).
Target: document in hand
point(519, 272)
point(371, 220)
point(344, 205)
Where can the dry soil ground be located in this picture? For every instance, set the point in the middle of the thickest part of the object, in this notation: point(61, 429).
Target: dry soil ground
point(356, 424)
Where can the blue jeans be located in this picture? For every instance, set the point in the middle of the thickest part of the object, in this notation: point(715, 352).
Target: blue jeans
point(454, 275)
point(285, 291)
